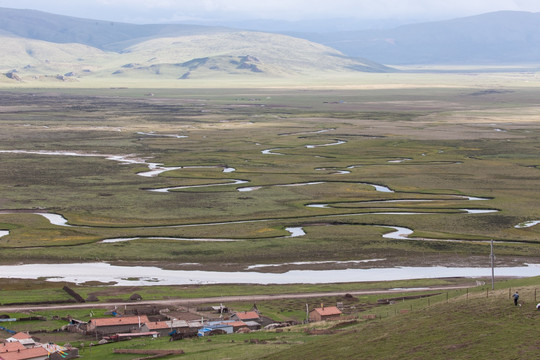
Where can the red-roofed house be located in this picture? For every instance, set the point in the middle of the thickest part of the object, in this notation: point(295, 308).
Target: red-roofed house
point(246, 316)
point(324, 313)
point(237, 325)
point(107, 326)
point(11, 346)
point(37, 353)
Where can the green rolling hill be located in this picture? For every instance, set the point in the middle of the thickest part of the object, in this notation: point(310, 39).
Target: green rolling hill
point(38, 45)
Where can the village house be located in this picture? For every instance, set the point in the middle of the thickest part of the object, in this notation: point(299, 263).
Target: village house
point(166, 327)
point(160, 327)
point(214, 328)
point(253, 325)
point(36, 353)
point(22, 346)
point(246, 316)
point(11, 346)
point(325, 313)
point(108, 326)
point(22, 338)
point(237, 325)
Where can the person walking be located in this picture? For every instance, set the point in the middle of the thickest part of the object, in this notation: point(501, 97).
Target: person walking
point(516, 298)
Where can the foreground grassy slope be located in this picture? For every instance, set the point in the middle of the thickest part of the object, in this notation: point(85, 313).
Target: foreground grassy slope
point(476, 323)
point(473, 326)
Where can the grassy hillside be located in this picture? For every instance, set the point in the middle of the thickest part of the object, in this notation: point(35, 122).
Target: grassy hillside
point(474, 326)
point(475, 323)
point(203, 55)
point(38, 45)
point(106, 35)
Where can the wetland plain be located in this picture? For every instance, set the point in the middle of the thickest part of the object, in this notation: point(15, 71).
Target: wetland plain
point(215, 179)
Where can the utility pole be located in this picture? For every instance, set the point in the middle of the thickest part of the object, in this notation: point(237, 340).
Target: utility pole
point(492, 256)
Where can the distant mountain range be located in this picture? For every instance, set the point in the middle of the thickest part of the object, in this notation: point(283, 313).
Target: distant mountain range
point(504, 37)
point(37, 44)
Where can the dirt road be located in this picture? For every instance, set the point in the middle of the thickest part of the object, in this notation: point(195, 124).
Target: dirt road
point(226, 299)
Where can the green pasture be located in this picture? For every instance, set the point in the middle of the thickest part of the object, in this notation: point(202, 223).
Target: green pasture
point(428, 145)
point(475, 322)
point(13, 291)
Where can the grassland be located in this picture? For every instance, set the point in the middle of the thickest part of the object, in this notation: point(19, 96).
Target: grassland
point(457, 324)
point(429, 145)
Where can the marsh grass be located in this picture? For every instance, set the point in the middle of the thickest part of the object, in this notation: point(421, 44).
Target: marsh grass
point(445, 139)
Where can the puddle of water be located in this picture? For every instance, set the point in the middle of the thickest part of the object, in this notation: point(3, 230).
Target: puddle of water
point(55, 219)
point(295, 231)
point(146, 276)
point(399, 160)
point(167, 189)
point(116, 240)
point(474, 198)
point(320, 206)
point(400, 233)
point(156, 169)
point(270, 152)
point(304, 184)
point(479, 211)
point(257, 266)
point(339, 142)
point(162, 135)
point(247, 189)
point(4, 233)
point(527, 224)
point(380, 188)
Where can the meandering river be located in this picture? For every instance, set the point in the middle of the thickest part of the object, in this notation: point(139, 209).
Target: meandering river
point(123, 275)
point(146, 275)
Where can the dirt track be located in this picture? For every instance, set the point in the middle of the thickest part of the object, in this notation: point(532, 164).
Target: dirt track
point(225, 299)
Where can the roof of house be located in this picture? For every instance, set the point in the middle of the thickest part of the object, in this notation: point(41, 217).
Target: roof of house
point(247, 315)
point(115, 321)
point(327, 311)
point(155, 325)
point(177, 323)
point(11, 346)
point(252, 323)
point(21, 336)
point(236, 324)
point(26, 354)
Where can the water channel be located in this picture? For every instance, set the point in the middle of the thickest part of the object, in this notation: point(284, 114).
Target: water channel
point(124, 275)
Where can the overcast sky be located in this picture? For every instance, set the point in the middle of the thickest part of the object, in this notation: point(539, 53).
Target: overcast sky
point(159, 11)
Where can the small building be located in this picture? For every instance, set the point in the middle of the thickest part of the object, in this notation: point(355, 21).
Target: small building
point(215, 330)
point(159, 326)
point(11, 346)
point(35, 353)
point(246, 316)
point(108, 326)
point(325, 313)
point(126, 336)
point(167, 327)
point(220, 309)
point(22, 338)
point(237, 325)
point(253, 325)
